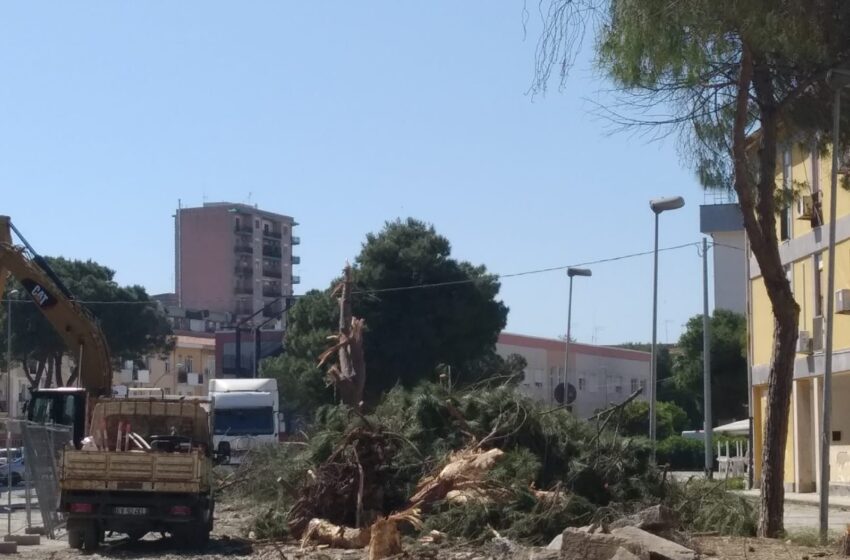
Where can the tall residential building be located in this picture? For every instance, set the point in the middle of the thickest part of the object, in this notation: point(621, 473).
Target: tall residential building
point(234, 258)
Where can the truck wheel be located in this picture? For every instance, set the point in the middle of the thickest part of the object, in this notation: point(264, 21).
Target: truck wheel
point(75, 538)
point(202, 535)
point(193, 536)
point(136, 535)
point(91, 536)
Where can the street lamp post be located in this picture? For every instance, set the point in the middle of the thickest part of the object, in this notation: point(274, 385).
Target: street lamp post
point(9, 354)
point(571, 272)
point(838, 79)
point(658, 206)
point(9, 413)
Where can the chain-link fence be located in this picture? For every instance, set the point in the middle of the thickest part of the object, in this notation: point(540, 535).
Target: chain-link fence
point(30, 459)
point(43, 445)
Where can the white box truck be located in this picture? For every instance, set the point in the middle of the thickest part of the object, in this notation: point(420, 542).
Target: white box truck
point(247, 414)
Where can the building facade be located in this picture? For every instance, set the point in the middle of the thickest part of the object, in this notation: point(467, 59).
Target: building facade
point(801, 227)
point(601, 375)
point(234, 258)
point(725, 224)
point(186, 370)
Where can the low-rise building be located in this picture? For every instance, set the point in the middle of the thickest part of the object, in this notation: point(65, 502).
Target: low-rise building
point(600, 375)
point(186, 370)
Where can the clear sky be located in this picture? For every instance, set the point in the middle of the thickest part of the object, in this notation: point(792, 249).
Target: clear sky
point(343, 114)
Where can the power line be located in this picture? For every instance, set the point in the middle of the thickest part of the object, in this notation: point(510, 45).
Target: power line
point(448, 283)
point(85, 302)
point(524, 273)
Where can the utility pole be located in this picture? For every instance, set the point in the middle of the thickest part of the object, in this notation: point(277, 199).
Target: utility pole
point(706, 365)
point(838, 79)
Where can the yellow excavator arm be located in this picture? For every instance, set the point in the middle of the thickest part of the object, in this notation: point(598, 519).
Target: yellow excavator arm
point(74, 323)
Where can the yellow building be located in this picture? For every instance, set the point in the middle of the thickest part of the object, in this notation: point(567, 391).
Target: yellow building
point(803, 249)
point(185, 371)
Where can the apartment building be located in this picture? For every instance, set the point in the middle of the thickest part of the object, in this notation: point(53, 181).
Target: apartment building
point(600, 375)
point(235, 258)
point(803, 247)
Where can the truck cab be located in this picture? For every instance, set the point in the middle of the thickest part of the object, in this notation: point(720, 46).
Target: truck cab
point(246, 414)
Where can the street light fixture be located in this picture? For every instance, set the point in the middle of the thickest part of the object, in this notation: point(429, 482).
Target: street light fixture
point(658, 206)
point(838, 79)
point(571, 272)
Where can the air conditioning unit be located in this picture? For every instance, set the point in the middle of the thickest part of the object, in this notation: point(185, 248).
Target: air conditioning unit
point(804, 343)
point(817, 334)
point(842, 301)
point(805, 207)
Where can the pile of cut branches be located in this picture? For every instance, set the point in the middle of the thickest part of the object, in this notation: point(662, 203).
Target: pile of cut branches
point(463, 463)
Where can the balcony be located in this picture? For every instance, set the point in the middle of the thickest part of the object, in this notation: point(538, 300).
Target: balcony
point(247, 290)
point(271, 292)
point(243, 229)
point(272, 311)
point(271, 233)
point(296, 240)
point(296, 259)
point(296, 279)
point(272, 273)
point(240, 248)
point(243, 270)
point(243, 309)
point(271, 251)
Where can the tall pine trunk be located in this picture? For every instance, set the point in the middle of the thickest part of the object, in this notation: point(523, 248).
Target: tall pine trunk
point(758, 206)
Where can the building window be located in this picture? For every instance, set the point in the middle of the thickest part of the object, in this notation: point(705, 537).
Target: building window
point(538, 384)
point(189, 366)
point(818, 269)
point(643, 384)
point(256, 224)
point(581, 383)
point(634, 386)
point(785, 218)
point(167, 366)
point(815, 169)
point(789, 276)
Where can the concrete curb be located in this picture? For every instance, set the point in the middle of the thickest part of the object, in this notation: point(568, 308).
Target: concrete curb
point(793, 500)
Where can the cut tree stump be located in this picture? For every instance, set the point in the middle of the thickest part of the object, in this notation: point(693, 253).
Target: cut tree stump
point(579, 545)
point(658, 548)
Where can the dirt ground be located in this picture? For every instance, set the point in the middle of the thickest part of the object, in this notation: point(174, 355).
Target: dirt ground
point(230, 542)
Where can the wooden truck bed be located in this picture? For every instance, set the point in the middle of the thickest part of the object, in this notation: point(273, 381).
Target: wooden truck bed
point(134, 470)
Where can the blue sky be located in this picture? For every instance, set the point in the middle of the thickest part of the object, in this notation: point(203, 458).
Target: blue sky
point(342, 114)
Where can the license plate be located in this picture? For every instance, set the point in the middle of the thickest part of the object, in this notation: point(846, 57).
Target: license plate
point(130, 511)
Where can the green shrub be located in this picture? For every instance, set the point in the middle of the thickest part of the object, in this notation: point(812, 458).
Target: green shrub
point(705, 505)
point(682, 454)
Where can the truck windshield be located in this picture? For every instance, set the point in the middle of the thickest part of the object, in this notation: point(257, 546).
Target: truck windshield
point(244, 421)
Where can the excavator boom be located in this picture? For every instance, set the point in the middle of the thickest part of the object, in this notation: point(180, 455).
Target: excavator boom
point(74, 323)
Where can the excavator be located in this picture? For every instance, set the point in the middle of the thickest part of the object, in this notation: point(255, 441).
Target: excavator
point(147, 463)
point(75, 325)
